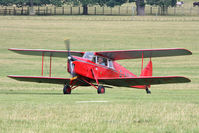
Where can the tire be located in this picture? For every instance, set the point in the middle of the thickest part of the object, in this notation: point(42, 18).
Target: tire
point(148, 91)
point(100, 89)
point(67, 89)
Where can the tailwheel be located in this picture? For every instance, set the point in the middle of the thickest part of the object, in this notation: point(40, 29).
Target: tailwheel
point(148, 91)
point(67, 89)
point(100, 89)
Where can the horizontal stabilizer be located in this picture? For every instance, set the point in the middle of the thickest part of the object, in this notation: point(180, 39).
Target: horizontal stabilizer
point(40, 52)
point(128, 81)
point(145, 53)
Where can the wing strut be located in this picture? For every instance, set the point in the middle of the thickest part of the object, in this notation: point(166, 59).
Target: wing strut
point(50, 65)
point(142, 61)
point(95, 76)
point(42, 66)
point(89, 83)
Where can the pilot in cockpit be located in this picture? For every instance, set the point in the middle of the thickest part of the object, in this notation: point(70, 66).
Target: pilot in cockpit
point(101, 61)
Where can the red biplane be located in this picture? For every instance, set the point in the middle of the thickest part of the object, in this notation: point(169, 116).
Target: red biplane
point(100, 69)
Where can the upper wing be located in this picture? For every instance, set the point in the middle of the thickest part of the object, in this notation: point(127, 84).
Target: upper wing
point(133, 54)
point(51, 80)
point(40, 52)
point(128, 82)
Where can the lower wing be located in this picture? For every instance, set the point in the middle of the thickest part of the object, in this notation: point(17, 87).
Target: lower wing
point(123, 82)
point(129, 81)
point(51, 80)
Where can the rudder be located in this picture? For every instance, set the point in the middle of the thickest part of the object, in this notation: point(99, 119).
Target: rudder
point(148, 70)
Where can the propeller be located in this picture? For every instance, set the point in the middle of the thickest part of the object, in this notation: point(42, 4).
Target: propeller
point(70, 58)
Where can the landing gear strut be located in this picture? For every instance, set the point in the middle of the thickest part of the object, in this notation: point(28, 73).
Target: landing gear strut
point(100, 89)
point(67, 89)
point(148, 91)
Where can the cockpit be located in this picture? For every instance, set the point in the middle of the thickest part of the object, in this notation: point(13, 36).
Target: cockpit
point(98, 59)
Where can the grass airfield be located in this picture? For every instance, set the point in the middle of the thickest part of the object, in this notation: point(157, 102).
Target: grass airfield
point(32, 107)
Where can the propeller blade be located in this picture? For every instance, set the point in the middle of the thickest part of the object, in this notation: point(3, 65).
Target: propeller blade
point(70, 58)
point(67, 43)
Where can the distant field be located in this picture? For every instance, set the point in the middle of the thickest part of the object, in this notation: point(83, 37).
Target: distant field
point(32, 107)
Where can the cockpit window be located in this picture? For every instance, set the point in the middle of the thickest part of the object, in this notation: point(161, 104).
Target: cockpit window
point(110, 64)
point(98, 59)
point(88, 55)
point(102, 61)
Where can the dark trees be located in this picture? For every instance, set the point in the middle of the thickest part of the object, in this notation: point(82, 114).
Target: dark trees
point(140, 7)
point(164, 4)
point(21, 3)
point(85, 3)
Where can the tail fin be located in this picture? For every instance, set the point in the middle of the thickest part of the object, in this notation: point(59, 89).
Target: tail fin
point(148, 70)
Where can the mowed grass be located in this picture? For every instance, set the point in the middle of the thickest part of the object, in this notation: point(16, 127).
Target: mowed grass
point(32, 107)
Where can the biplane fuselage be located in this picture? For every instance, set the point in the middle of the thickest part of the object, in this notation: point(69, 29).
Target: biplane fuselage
point(84, 66)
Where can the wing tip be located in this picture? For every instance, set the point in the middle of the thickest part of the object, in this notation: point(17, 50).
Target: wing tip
point(188, 52)
point(182, 79)
point(186, 79)
point(10, 76)
point(12, 49)
point(14, 76)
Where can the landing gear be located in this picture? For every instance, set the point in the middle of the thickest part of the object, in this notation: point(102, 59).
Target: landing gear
point(100, 89)
point(148, 91)
point(67, 89)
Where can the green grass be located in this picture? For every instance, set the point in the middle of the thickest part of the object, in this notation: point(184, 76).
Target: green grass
point(32, 107)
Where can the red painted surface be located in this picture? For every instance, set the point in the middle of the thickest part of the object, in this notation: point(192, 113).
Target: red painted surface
point(84, 68)
point(95, 76)
point(148, 70)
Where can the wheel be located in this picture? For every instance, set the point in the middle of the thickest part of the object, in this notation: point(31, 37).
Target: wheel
point(148, 91)
point(100, 89)
point(67, 89)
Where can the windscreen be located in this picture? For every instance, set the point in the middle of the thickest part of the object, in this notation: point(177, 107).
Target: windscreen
point(88, 55)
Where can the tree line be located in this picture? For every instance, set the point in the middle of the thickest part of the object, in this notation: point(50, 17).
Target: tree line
point(140, 4)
